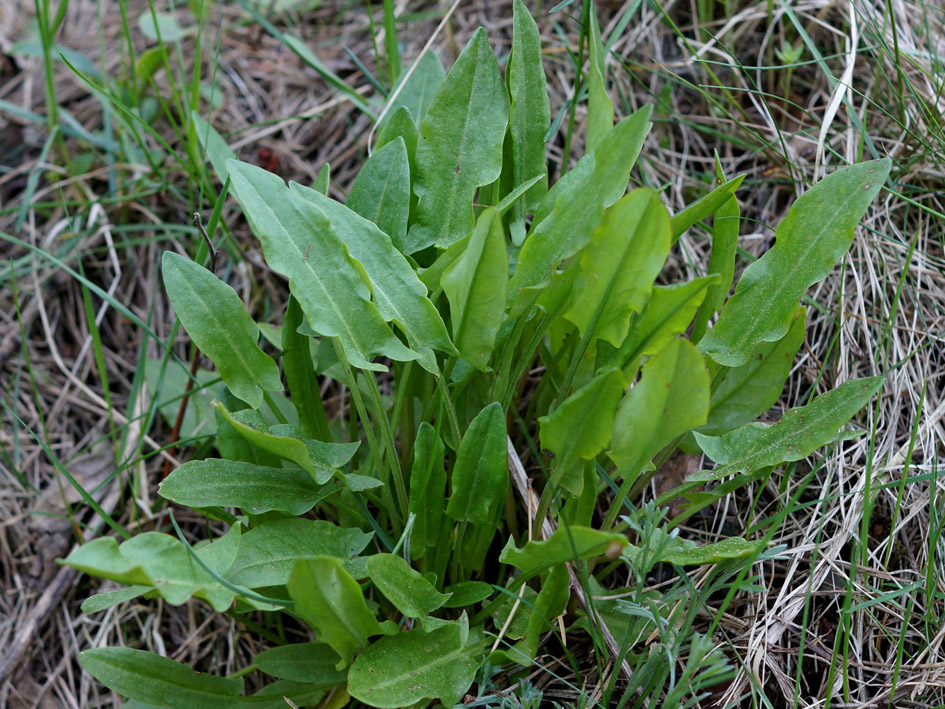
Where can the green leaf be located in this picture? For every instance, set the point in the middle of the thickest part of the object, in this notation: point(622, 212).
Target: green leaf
point(581, 428)
point(600, 109)
point(322, 179)
point(748, 391)
point(299, 242)
point(816, 232)
point(671, 398)
point(106, 599)
point(548, 605)
point(475, 286)
point(156, 680)
point(155, 560)
point(406, 588)
point(467, 593)
point(313, 663)
point(381, 191)
point(219, 325)
point(566, 544)
point(480, 475)
point(427, 490)
point(799, 433)
point(666, 315)
point(725, 225)
point(617, 268)
point(321, 460)
point(573, 208)
point(300, 374)
point(268, 552)
point(329, 600)
point(199, 419)
point(458, 151)
point(685, 552)
point(231, 483)
point(415, 91)
point(398, 293)
point(529, 114)
point(402, 670)
point(704, 207)
point(213, 145)
point(400, 125)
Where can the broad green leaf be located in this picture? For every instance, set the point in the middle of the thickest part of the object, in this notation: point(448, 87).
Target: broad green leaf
point(415, 91)
point(152, 679)
point(518, 626)
point(199, 419)
point(548, 605)
point(213, 145)
point(398, 293)
point(322, 180)
point(581, 428)
point(401, 125)
point(704, 207)
point(816, 232)
point(321, 460)
point(268, 552)
point(467, 593)
point(799, 433)
point(357, 482)
point(232, 483)
point(402, 670)
point(300, 374)
point(475, 286)
point(529, 114)
point(406, 588)
point(432, 277)
point(278, 694)
point(230, 442)
point(628, 626)
point(617, 268)
point(573, 208)
point(685, 552)
point(459, 149)
point(480, 475)
point(330, 600)
point(381, 191)
point(748, 391)
point(566, 544)
point(106, 599)
point(313, 663)
point(671, 398)
point(600, 109)
point(725, 225)
point(427, 490)
point(666, 315)
point(299, 242)
point(155, 560)
point(214, 317)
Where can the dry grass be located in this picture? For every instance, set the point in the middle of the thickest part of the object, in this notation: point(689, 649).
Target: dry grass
point(883, 310)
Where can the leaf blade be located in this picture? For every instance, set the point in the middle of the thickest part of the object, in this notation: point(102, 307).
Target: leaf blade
point(816, 232)
point(214, 317)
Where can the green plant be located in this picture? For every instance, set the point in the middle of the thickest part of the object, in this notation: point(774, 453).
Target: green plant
point(455, 264)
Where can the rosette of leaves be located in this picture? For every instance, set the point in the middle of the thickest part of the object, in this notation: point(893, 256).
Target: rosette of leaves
point(453, 271)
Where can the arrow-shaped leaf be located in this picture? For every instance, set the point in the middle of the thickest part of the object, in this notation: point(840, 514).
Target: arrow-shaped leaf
point(214, 317)
point(300, 243)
